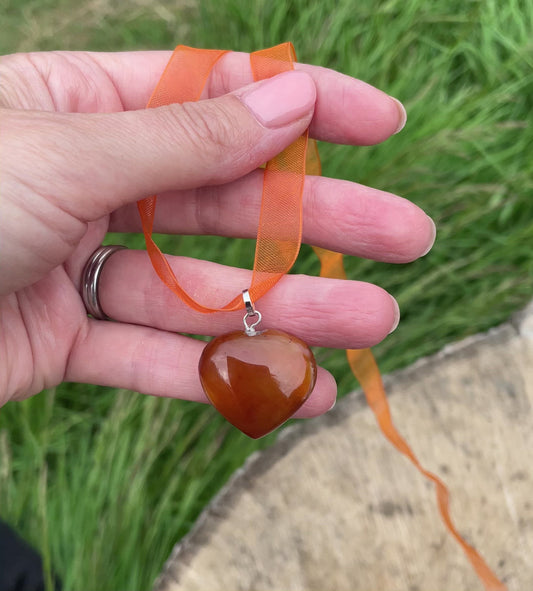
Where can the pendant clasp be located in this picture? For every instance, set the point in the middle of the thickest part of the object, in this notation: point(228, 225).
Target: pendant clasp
point(251, 312)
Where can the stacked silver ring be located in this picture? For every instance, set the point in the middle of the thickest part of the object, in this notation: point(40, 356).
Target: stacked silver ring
point(90, 278)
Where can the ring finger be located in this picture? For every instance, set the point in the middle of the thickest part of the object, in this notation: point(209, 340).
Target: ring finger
point(323, 312)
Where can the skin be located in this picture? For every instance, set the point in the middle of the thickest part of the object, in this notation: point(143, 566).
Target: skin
point(78, 149)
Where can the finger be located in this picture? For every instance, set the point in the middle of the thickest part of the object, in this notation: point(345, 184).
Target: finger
point(323, 312)
point(96, 163)
point(160, 363)
point(368, 223)
point(348, 111)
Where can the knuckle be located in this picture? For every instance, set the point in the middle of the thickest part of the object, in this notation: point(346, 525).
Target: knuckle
point(206, 128)
point(208, 210)
point(14, 92)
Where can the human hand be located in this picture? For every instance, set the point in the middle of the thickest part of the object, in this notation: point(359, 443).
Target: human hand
point(77, 150)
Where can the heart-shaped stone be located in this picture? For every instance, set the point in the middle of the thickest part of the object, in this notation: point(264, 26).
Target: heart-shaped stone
point(257, 382)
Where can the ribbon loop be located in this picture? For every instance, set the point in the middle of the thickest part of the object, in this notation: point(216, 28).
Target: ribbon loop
point(280, 224)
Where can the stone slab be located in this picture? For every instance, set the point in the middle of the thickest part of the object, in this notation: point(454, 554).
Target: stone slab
point(333, 507)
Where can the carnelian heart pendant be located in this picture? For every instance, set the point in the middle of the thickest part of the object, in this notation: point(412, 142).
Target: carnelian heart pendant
point(257, 382)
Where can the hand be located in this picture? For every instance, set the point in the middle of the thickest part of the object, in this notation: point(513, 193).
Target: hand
point(77, 150)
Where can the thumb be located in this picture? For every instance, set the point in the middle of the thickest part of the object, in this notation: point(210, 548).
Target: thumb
point(99, 162)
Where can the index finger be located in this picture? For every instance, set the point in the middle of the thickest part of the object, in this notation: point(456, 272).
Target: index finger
point(348, 111)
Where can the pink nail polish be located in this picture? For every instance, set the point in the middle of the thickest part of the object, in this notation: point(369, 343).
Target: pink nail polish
point(282, 99)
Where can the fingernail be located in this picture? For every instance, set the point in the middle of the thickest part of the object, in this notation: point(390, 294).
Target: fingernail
point(403, 115)
point(433, 235)
point(396, 315)
point(282, 99)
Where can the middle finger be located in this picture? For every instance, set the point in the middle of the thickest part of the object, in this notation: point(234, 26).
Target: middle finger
point(338, 215)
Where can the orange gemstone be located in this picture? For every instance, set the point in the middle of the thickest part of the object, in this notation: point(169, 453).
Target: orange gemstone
point(257, 382)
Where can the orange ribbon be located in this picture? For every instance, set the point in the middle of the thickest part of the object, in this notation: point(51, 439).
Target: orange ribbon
point(278, 242)
point(365, 369)
point(280, 223)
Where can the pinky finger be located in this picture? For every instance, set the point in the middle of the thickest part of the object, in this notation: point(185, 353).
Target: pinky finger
point(159, 363)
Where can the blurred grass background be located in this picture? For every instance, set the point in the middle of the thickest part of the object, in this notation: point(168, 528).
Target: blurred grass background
point(104, 482)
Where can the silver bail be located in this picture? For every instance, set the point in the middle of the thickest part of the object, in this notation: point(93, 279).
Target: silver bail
point(251, 312)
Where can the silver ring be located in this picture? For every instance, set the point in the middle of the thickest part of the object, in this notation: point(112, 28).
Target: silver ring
point(91, 276)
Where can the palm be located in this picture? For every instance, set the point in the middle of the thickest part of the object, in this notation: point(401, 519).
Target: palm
point(53, 309)
point(47, 317)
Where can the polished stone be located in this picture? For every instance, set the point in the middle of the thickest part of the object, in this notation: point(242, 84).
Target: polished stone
point(257, 382)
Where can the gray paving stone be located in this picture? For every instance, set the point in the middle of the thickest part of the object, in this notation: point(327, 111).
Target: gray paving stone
point(333, 507)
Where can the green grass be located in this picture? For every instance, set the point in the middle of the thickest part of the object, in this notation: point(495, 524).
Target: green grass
point(105, 482)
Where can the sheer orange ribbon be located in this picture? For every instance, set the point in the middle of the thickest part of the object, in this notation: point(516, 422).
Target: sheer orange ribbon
point(278, 243)
point(280, 228)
